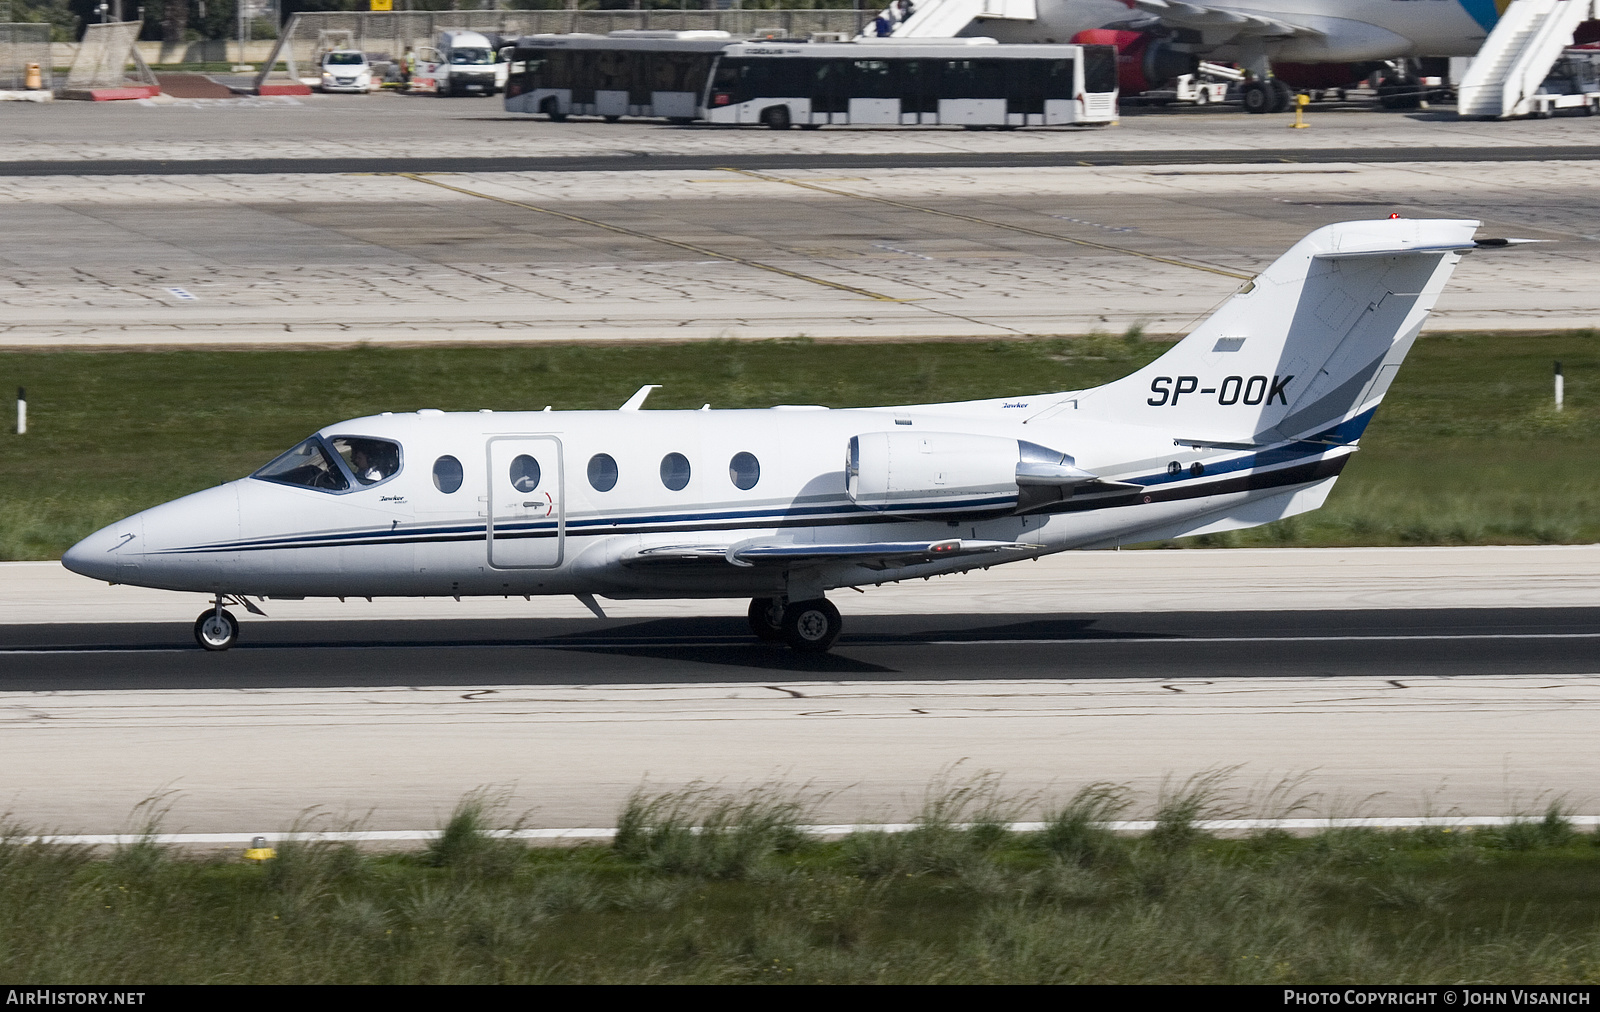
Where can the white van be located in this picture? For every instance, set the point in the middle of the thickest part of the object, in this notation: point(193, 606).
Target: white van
point(460, 63)
point(346, 70)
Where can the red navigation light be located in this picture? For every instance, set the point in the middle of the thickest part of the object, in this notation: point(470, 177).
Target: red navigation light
point(1393, 216)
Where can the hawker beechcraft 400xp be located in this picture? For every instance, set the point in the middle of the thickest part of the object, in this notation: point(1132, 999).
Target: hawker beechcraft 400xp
point(1248, 419)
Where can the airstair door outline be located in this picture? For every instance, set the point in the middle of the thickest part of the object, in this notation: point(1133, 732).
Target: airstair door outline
point(527, 517)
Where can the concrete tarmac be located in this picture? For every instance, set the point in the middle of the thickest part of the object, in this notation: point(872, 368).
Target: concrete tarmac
point(1397, 681)
point(291, 259)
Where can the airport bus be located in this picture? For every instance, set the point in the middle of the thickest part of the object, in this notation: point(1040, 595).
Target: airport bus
point(625, 73)
point(968, 82)
point(684, 76)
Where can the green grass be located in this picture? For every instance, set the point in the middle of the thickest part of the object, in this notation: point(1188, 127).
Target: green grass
point(1466, 449)
point(751, 899)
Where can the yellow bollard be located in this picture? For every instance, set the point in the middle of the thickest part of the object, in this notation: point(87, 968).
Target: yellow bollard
point(1300, 103)
point(259, 851)
point(33, 80)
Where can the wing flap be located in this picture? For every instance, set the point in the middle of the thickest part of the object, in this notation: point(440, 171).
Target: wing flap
point(873, 555)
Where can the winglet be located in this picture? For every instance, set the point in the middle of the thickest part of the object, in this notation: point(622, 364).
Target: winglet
point(636, 402)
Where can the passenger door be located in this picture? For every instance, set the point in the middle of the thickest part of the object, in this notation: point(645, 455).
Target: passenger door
point(527, 509)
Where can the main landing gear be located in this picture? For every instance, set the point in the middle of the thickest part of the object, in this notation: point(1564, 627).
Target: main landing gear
point(809, 627)
point(1267, 96)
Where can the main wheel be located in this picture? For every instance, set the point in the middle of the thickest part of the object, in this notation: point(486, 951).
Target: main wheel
point(1283, 95)
point(1257, 97)
point(216, 630)
point(776, 117)
point(810, 627)
point(766, 619)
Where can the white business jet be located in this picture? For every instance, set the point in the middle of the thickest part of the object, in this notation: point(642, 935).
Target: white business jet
point(1247, 420)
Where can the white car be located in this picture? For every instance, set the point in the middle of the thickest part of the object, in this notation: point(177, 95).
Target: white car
point(346, 70)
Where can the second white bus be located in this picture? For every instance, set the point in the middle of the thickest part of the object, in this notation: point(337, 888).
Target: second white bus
point(965, 82)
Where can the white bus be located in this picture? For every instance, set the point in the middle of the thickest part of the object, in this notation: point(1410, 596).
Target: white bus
point(968, 82)
point(627, 73)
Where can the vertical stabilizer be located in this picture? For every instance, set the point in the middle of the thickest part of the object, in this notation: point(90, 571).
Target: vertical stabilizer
point(1308, 347)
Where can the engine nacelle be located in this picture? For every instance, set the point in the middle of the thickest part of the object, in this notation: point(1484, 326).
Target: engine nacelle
point(1144, 60)
point(950, 475)
point(932, 474)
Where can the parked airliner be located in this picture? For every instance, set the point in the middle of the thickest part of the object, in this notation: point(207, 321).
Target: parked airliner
point(1248, 419)
point(1160, 39)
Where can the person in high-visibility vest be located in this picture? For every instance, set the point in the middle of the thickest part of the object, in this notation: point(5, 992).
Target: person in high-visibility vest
point(408, 66)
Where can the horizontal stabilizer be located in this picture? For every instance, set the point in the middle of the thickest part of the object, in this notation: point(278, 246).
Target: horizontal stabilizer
point(879, 555)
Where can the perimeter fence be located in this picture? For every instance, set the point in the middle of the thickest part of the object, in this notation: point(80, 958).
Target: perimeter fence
point(390, 33)
point(20, 45)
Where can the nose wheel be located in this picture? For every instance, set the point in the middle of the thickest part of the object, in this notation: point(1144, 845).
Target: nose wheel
point(216, 629)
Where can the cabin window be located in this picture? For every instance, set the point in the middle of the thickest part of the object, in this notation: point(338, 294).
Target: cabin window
point(744, 470)
point(603, 472)
point(447, 474)
point(675, 471)
point(370, 460)
point(524, 473)
point(309, 465)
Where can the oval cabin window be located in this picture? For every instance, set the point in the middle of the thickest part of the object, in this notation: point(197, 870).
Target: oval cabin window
point(602, 472)
point(675, 471)
point(744, 470)
point(447, 474)
point(524, 473)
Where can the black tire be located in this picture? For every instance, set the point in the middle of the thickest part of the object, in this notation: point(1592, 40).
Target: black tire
point(1202, 97)
point(776, 117)
point(1283, 96)
point(810, 627)
point(1402, 94)
point(551, 108)
point(766, 619)
point(612, 119)
point(208, 635)
point(1257, 97)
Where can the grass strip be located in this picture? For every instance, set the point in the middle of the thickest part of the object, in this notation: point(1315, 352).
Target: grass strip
point(709, 886)
point(1467, 448)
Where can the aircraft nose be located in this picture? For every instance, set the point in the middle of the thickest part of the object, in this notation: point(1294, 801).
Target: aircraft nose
point(99, 555)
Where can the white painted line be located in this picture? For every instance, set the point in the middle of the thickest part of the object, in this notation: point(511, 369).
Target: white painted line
point(581, 834)
point(602, 643)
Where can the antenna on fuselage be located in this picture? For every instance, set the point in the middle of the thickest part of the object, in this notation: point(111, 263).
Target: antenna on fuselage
point(636, 402)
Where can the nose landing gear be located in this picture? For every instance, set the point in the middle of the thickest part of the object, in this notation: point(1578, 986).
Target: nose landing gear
point(216, 628)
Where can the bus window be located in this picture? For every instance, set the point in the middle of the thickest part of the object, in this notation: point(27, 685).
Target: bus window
point(830, 86)
point(613, 70)
point(1099, 69)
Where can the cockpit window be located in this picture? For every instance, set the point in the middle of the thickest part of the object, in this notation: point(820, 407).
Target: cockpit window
point(308, 465)
point(370, 460)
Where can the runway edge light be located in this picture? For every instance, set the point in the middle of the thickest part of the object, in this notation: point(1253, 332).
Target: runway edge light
point(259, 851)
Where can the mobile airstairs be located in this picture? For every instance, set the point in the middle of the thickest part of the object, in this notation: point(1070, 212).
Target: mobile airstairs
point(1508, 77)
point(944, 19)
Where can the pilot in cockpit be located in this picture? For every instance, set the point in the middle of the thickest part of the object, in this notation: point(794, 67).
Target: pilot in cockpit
point(372, 460)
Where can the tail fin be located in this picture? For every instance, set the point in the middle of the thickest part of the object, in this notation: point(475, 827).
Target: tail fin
point(1307, 349)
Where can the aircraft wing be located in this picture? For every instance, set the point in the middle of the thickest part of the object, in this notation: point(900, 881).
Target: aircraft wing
point(879, 555)
point(1176, 14)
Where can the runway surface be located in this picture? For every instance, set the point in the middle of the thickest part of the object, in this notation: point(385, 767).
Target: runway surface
point(1175, 645)
point(511, 257)
point(642, 161)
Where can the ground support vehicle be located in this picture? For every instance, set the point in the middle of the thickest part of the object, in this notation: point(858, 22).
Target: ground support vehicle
point(913, 82)
point(461, 63)
point(626, 73)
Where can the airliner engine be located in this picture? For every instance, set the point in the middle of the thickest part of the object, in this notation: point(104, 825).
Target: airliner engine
point(1144, 60)
point(951, 474)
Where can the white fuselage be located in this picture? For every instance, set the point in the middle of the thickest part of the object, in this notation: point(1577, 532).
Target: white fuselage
point(1343, 30)
point(405, 537)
